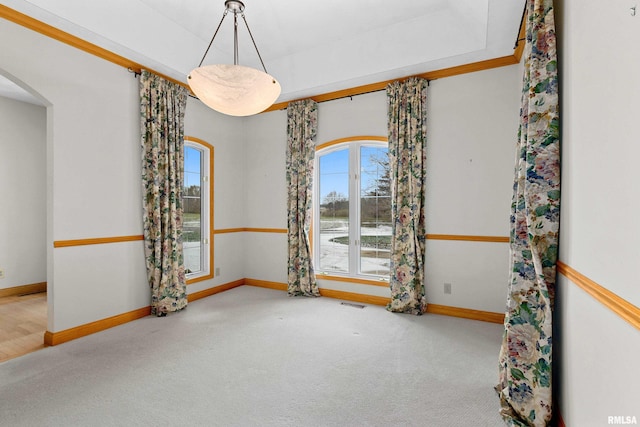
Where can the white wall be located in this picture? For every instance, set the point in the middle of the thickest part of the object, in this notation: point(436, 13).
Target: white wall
point(600, 94)
point(472, 124)
point(93, 167)
point(22, 193)
point(93, 177)
point(225, 134)
point(472, 127)
point(265, 199)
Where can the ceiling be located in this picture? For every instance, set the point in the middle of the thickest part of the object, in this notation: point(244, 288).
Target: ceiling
point(310, 47)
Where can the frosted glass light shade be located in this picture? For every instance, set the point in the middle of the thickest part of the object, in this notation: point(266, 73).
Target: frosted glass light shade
point(235, 90)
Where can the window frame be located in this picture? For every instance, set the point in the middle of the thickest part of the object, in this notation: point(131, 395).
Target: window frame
point(206, 217)
point(353, 275)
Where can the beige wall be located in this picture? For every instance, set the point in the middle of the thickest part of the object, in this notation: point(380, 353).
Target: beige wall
point(596, 350)
point(22, 193)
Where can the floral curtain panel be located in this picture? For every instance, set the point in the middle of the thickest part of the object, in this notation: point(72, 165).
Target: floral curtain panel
point(526, 354)
point(162, 106)
point(302, 124)
point(407, 127)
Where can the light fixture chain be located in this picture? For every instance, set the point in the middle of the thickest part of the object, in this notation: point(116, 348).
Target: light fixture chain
point(224, 15)
point(254, 42)
point(235, 38)
point(233, 89)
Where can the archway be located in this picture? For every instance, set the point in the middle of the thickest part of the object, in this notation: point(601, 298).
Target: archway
point(24, 236)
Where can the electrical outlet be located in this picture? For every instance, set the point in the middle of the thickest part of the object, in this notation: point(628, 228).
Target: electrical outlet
point(1, 273)
point(217, 271)
point(447, 288)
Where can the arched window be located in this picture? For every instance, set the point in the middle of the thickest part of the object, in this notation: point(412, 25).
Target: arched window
point(352, 209)
point(197, 197)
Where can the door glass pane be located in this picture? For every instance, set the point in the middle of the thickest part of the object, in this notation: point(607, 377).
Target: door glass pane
point(334, 211)
point(192, 225)
point(375, 210)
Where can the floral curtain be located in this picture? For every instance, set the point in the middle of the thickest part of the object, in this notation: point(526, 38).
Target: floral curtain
point(525, 357)
point(407, 127)
point(302, 125)
point(162, 106)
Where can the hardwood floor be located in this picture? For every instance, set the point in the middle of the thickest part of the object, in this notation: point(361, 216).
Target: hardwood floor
point(23, 322)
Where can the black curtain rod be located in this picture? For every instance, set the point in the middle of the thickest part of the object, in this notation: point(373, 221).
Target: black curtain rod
point(518, 39)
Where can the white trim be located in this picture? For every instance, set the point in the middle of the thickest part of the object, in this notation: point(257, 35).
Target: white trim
point(354, 172)
point(205, 232)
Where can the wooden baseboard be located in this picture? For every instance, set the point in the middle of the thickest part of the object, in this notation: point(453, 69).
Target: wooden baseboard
point(467, 313)
point(329, 293)
point(215, 290)
point(34, 288)
point(350, 296)
point(55, 338)
point(560, 420)
point(266, 284)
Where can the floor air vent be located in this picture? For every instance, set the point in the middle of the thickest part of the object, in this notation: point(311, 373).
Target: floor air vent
point(350, 304)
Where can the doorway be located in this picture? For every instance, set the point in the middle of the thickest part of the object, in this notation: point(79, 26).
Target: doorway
point(23, 223)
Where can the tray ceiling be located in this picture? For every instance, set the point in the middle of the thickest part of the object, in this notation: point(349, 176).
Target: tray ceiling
point(311, 47)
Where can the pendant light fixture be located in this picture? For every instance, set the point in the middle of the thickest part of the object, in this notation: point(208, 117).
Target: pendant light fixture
point(235, 90)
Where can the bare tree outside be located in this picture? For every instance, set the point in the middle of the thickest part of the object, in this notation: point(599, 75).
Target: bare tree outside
point(375, 211)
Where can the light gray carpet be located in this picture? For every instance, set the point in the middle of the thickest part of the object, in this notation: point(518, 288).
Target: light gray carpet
point(255, 357)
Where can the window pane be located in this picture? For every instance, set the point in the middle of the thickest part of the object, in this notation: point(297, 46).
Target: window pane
point(334, 211)
point(192, 226)
point(375, 210)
